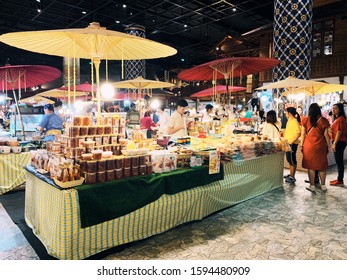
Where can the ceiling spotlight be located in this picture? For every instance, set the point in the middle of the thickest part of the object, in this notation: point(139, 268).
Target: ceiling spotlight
point(38, 1)
point(117, 21)
point(234, 9)
point(84, 12)
point(131, 14)
point(185, 25)
point(217, 48)
point(39, 10)
point(124, 6)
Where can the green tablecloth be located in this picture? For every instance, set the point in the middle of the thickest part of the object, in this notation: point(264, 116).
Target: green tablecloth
point(106, 201)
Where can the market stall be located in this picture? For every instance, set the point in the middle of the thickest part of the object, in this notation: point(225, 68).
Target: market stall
point(55, 214)
point(12, 171)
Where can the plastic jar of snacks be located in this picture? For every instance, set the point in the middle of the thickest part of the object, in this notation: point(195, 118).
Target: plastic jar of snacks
point(90, 178)
point(109, 175)
point(118, 173)
point(102, 165)
point(101, 177)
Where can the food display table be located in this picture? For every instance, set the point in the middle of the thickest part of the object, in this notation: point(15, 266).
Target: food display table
point(12, 173)
point(55, 216)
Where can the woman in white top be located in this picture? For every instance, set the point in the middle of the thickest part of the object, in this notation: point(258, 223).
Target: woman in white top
point(272, 128)
point(163, 120)
point(207, 115)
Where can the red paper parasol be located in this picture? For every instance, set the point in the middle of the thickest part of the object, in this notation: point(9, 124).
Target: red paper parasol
point(23, 76)
point(220, 89)
point(227, 68)
point(85, 87)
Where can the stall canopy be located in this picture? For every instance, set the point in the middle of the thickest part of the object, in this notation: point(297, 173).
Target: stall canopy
point(93, 42)
point(19, 77)
point(220, 89)
point(36, 99)
point(140, 83)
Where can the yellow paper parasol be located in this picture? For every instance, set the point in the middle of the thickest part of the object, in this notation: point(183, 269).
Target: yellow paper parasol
point(140, 83)
point(36, 99)
point(317, 89)
point(58, 93)
point(93, 42)
point(291, 83)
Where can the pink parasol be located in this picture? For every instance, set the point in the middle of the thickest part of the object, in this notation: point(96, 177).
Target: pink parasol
point(85, 87)
point(227, 68)
point(23, 76)
point(220, 89)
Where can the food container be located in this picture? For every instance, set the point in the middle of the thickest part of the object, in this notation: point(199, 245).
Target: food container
point(135, 161)
point(115, 121)
point(114, 140)
point(100, 130)
point(92, 130)
point(126, 172)
point(86, 121)
point(142, 170)
point(127, 162)
point(118, 173)
point(107, 154)
point(88, 156)
point(98, 141)
point(16, 149)
point(110, 164)
point(142, 160)
point(79, 151)
point(106, 140)
point(72, 142)
point(73, 131)
point(90, 178)
point(83, 165)
point(101, 177)
point(101, 165)
point(149, 168)
point(97, 154)
point(108, 130)
point(91, 166)
point(135, 171)
point(118, 162)
point(107, 121)
point(84, 130)
point(109, 175)
point(77, 121)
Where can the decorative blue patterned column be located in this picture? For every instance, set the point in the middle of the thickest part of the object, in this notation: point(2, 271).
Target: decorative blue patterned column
point(135, 68)
point(292, 39)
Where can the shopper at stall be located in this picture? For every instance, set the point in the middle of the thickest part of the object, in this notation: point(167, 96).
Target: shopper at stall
point(272, 127)
point(147, 123)
point(163, 120)
point(338, 136)
point(207, 114)
point(315, 143)
point(283, 116)
point(177, 126)
point(292, 135)
point(51, 124)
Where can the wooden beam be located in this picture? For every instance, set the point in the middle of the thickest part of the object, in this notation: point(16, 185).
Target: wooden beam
point(319, 3)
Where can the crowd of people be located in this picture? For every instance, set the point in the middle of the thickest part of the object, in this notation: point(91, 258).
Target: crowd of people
point(315, 135)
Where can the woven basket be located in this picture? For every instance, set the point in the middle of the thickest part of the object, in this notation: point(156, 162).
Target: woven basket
point(69, 184)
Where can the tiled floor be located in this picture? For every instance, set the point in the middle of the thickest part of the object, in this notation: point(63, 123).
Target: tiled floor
point(287, 223)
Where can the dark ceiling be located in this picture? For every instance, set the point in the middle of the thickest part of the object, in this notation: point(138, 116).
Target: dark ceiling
point(193, 27)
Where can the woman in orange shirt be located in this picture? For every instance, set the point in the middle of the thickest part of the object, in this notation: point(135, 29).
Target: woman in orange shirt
point(339, 135)
point(315, 143)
